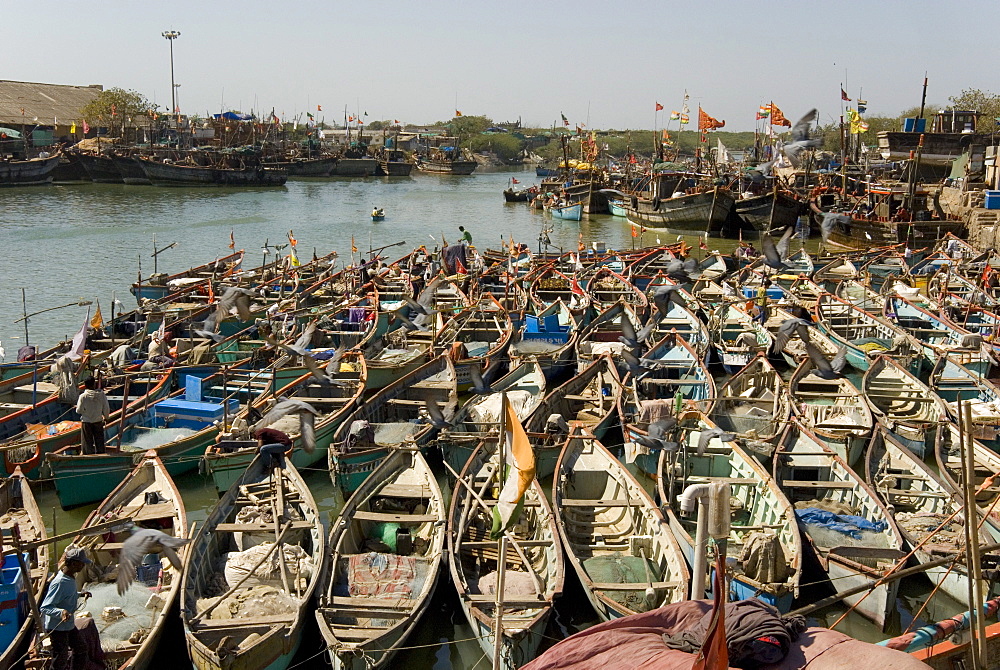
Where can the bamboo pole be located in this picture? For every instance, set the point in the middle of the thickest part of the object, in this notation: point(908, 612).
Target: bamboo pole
point(977, 628)
point(498, 611)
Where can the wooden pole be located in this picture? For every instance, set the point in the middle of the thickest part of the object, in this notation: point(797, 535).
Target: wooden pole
point(29, 591)
point(498, 612)
point(121, 420)
point(977, 626)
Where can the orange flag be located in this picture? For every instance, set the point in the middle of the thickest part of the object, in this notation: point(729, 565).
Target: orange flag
point(706, 122)
point(777, 118)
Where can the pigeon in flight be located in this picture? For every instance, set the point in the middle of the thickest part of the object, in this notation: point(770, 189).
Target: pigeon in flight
point(435, 414)
point(823, 368)
point(791, 327)
point(283, 407)
point(775, 254)
point(144, 541)
point(801, 139)
point(706, 436)
point(664, 295)
point(479, 385)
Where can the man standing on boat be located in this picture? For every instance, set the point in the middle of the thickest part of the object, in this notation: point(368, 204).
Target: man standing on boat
point(58, 611)
point(93, 408)
point(466, 238)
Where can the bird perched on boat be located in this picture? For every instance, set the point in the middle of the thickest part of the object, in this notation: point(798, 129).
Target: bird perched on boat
point(791, 327)
point(775, 254)
point(144, 541)
point(801, 139)
point(707, 436)
point(666, 294)
point(823, 368)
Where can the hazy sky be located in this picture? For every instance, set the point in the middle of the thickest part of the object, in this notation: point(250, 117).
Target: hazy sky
point(609, 60)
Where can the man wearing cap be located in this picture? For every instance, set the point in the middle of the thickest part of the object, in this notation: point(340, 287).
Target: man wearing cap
point(58, 610)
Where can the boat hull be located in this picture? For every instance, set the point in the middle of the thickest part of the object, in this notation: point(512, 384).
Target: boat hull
point(448, 167)
point(33, 172)
point(163, 174)
point(701, 213)
point(355, 167)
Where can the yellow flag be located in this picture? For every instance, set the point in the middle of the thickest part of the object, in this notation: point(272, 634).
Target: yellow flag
point(354, 249)
point(72, 129)
point(293, 259)
point(519, 460)
point(98, 321)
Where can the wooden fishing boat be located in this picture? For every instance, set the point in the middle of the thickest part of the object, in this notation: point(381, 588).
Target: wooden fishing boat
point(601, 336)
point(948, 284)
point(298, 166)
point(794, 349)
point(736, 337)
point(149, 498)
point(951, 381)
point(754, 403)
point(30, 172)
point(938, 336)
point(904, 405)
point(568, 212)
point(928, 515)
point(52, 425)
point(885, 266)
point(860, 294)
point(175, 174)
point(379, 584)
point(865, 335)
point(19, 509)
point(762, 521)
point(835, 272)
point(548, 337)
point(588, 400)
point(444, 165)
point(771, 211)
point(549, 285)
point(856, 231)
point(533, 572)
point(616, 537)
point(394, 416)
point(334, 399)
point(818, 482)
point(986, 463)
point(229, 622)
point(524, 387)
point(177, 428)
point(475, 337)
point(157, 286)
point(833, 410)
point(608, 287)
point(702, 213)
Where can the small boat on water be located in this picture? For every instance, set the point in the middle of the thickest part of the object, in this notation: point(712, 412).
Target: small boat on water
point(28, 172)
point(616, 538)
point(737, 338)
point(904, 405)
point(928, 514)
point(833, 410)
point(378, 214)
point(161, 173)
point(849, 530)
point(567, 212)
point(865, 335)
point(242, 606)
point(588, 400)
point(395, 416)
point(952, 381)
point(601, 337)
point(148, 498)
point(386, 550)
point(548, 337)
point(533, 573)
point(18, 508)
point(763, 536)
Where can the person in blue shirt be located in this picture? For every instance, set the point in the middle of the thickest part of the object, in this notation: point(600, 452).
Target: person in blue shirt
point(58, 611)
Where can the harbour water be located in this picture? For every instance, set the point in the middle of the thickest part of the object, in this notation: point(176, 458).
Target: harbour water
point(64, 243)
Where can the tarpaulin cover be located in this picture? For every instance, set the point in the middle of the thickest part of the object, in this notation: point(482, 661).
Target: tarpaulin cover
point(848, 524)
point(234, 116)
point(450, 255)
point(637, 642)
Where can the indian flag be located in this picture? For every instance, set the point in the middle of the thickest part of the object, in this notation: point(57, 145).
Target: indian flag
point(675, 116)
point(519, 465)
point(764, 112)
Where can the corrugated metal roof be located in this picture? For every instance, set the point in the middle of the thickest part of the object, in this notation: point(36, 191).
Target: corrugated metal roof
point(47, 102)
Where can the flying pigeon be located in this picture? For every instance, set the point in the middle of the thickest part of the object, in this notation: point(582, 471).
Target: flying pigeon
point(435, 414)
point(706, 436)
point(629, 337)
point(283, 407)
point(800, 139)
point(774, 254)
point(236, 297)
point(479, 385)
point(144, 541)
point(333, 363)
point(789, 327)
point(823, 368)
point(210, 326)
point(664, 295)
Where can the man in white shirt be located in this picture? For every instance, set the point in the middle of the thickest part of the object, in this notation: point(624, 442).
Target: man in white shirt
point(93, 408)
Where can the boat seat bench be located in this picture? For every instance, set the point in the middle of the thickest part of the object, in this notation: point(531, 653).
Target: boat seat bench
point(258, 527)
point(583, 502)
point(363, 515)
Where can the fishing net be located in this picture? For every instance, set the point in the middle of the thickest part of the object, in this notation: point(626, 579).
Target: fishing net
point(922, 525)
point(152, 438)
point(395, 433)
point(624, 570)
point(487, 408)
point(298, 566)
point(529, 347)
point(265, 515)
point(257, 601)
point(123, 620)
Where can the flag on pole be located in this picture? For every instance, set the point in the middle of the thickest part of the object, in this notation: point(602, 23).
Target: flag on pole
point(843, 95)
point(706, 122)
point(232, 239)
point(291, 239)
point(514, 181)
point(319, 108)
point(354, 248)
point(675, 115)
point(72, 129)
point(714, 653)
point(574, 287)
point(564, 119)
point(458, 113)
point(777, 118)
point(763, 112)
point(293, 259)
point(685, 119)
point(519, 462)
point(86, 128)
point(659, 107)
point(80, 340)
point(702, 244)
point(460, 267)
point(98, 321)
point(635, 232)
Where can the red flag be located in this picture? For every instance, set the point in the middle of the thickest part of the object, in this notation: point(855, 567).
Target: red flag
point(702, 244)
point(575, 288)
point(843, 95)
point(514, 181)
point(460, 267)
point(350, 118)
point(319, 108)
point(714, 654)
point(458, 113)
point(292, 240)
point(397, 122)
point(232, 240)
point(986, 274)
point(659, 107)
